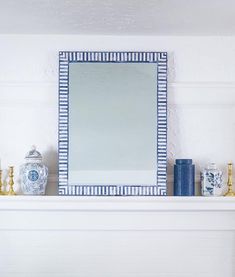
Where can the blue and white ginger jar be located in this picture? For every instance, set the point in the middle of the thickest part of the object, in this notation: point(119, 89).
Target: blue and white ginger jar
point(211, 181)
point(33, 174)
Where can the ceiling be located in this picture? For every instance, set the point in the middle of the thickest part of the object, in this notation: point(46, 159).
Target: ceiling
point(118, 17)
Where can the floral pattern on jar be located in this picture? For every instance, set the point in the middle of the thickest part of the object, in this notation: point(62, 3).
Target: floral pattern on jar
point(211, 181)
point(33, 174)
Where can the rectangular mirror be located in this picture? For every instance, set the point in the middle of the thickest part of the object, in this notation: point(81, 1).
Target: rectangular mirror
point(112, 123)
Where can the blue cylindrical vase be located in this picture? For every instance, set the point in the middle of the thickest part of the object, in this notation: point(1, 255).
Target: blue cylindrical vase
point(184, 177)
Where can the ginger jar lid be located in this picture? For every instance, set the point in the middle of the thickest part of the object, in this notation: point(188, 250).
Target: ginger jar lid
point(33, 155)
point(211, 166)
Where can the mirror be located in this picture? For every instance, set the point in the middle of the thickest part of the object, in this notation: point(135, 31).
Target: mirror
point(112, 123)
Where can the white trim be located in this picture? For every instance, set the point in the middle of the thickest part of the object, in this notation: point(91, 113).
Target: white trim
point(183, 84)
point(200, 84)
point(103, 203)
point(57, 213)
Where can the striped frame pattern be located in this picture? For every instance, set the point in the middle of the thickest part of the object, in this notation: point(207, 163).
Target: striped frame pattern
point(160, 188)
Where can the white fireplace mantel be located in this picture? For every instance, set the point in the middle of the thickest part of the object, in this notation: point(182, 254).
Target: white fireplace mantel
point(116, 213)
point(44, 236)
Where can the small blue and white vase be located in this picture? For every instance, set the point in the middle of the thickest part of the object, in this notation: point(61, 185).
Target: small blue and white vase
point(33, 174)
point(211, 181)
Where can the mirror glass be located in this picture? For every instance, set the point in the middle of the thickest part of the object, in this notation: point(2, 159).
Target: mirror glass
point(112, 123)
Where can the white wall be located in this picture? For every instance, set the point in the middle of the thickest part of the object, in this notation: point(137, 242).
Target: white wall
point(201, 94)
point(201, 126)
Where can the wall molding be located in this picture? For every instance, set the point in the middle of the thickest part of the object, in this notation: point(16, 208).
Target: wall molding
point(184, 84)
point(180, 94)
point(15, 83)
point(212, 84)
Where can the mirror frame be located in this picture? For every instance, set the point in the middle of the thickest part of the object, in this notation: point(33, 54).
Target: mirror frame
point(160, 59)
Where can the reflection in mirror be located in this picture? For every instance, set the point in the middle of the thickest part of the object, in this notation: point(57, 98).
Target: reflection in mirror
point(112, 123)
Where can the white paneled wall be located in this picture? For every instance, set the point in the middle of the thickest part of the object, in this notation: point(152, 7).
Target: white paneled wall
point(201, 127)
point(201, 94)
point(117, 254)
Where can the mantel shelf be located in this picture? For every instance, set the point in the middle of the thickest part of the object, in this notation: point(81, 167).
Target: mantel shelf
point(116, 213)
point(131, 204)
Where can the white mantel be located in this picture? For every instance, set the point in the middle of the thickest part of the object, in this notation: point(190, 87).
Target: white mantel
point(116, 213)
point(117, 236)
point(116, 204)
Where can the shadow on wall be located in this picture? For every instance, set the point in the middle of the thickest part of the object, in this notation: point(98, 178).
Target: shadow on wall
point(50, 159)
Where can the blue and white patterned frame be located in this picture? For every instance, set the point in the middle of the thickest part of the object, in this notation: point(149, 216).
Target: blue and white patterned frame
point(160, 59)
